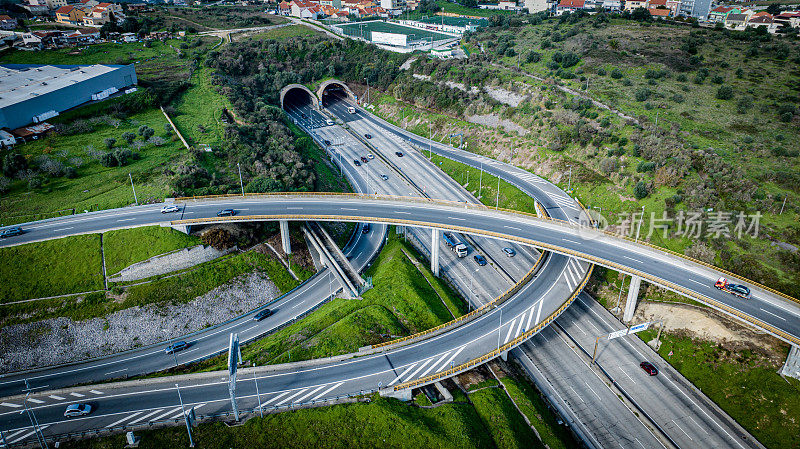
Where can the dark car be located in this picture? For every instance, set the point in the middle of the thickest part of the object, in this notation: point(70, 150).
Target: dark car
point(368, 136)
point(226, 213)
point(262, 314)
point(398, 153)
point(479, 259)
point(77, 410)
point(11, 232)
point(509, 252)
point(357, 164)
point(327, 142)
point(649, 368)
point(175, 347)
point(364, 160)
point(365, 229)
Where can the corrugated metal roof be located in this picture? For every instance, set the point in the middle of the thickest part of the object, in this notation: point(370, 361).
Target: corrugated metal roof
point(21, 82)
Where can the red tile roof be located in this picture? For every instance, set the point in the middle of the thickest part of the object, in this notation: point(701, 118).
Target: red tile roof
point(571, 4)
point(722, 9)
point(661, 12)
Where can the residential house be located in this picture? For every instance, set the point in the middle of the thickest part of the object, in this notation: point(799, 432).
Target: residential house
point(7, 23)
point(70, 15)
point(82, 36)
point(139, 7)
point(763, 19)
point(51, 4)
point(788, 19)
point(695, 8)
point(737, 21)
point(658, 8)
point(718, 14)
point(305, 9)
point(36, 7)
point(102, 13)
point(634, 4)
point(284, 9)
point(567, 6)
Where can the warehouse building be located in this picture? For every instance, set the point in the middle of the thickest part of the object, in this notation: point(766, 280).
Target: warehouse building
point(33, 93)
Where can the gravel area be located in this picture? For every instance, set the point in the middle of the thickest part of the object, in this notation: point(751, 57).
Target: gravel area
point(62, 340)
point(495, 121)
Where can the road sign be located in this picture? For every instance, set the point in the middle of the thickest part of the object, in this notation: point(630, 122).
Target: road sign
point(639, 327)
point(620, 333)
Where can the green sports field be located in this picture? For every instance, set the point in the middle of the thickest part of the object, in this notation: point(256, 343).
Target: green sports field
point(365, 29)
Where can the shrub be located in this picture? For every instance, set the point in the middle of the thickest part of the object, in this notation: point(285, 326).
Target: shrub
point(716, 79)
point(616, 74)
point(725, 92)
point(681, 78)
point(642, 94)
point(744, 104)
point(640, 190)
point(570, 59)
point(601, 72)
point(626, 82)
point(108, 160)
point(110, 142)
point(533, 57)
point(146, 132)
point(34, 183)
point(645, 166)
point(678, 98)
point(129, 137)
point(608, 165)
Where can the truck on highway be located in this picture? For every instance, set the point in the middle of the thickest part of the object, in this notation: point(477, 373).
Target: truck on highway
point(455, 244)
point(734, 289)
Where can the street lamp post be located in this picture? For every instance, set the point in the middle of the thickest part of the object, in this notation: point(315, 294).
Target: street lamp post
point(639, 228)
point(134, 189)
point(569, 183)
point(188, 428)
point(367, 80)
point(241, 183)
point(497, 200)
point(480, 181)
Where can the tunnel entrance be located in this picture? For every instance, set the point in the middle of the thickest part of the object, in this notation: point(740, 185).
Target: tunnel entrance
point(296, 97)
point(334, 91)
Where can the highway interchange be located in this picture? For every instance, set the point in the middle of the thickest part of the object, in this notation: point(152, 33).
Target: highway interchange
point(292, 385)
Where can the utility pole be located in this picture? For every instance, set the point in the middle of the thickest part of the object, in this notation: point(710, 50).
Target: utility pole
point(497, 200)
point(134, 189)
point(639, 228)
point(188, 426)
point(498, 329)
point(480, 181)
point(616, 308)
point(32, 416)
point(429, 141)
point(258, 395)
point(783, 205)
point(569, 183)
point(367, 80)
point(241, 184)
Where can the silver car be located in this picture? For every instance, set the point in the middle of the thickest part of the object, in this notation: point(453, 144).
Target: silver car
point(77, 410)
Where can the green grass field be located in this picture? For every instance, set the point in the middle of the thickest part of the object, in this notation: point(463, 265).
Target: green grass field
point(285, 33)
point(385, 423)
point(365, 29)
point(128, 246)
point(199, 111)
point(50, 268)
point(744, 383)
point(507, 427)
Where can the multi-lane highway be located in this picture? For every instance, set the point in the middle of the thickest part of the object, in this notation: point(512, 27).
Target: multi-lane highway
point(515, 317)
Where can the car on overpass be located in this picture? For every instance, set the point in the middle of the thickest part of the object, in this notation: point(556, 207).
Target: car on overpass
point(480, 260)
point(262, 314)
point(649, 368)
point(175, 347)
point(11, 232)
point(170, 208)
point(226, 213)
point(734, 289)
point(74, 410)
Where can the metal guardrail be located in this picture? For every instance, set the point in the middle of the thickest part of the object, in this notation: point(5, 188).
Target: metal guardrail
point(501, 210)
point(506, 347)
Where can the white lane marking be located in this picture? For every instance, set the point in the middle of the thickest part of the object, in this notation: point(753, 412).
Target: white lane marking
point(595, 393)
point(530, 317)
point(401, 375)
point(434, 364)
point(57, 398)
point(512, 227)
point(456, 218)
point(625, 373)
point(519, 326)
point(640, 443)
point(566, 278)
point(28, 434)
point(575, 323)
point(179, 415)
point(95, 392)
point(401, 212)
point(538, 313)
point(510, 329)
point(77, 395)
point(127, 219)
point(698, 425)
point(305, 396)
point(16, 433)
point(145, 416)
point(776, 316)
point(576, 393)
point(327, 391)
point(346, 208)
point(568, 272)
point(123, 419)
point(635, 260)
point(35, 401)
point(413, 374)
point(117, 371)
point(288, 399)
point(276, 398)
point(294, 208)
point(684, 432)
point(599, 331)
point(571, 241)
point(10, 405)
point(447, 362)
point(64, 229)
point(171, 412)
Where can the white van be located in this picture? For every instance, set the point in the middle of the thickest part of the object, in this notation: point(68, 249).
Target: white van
point(351, 110)
point(329, 122)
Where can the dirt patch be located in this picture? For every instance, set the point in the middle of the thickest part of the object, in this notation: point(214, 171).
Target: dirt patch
point(705, 324)
point(474, 376)
point(494, 121)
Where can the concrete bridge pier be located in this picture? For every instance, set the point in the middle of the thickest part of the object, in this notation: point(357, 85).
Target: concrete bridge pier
point(403, 395)
point(633, 294)
point(436, 235)
point(186, 229)
point(287, 243)
point(792, 366)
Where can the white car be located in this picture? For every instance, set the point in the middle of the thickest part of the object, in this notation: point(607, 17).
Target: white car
point(170, 208)
point(77, 410)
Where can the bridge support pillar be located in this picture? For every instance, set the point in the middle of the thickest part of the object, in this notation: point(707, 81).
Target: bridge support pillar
point(436, 235)
point(792, 366)
point(186, 229)
point(633, 294)
point(504, 356)
point(287, 244)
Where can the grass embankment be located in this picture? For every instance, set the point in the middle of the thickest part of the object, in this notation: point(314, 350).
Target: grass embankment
point(507, 427)
point(50, 268)
point(128, 246)
point(380, 423)
point(214, 17)
point(284, 33)
point(743, 383)
point(199, 111)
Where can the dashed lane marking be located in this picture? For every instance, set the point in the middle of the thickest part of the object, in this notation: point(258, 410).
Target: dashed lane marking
point(35, 401)
point(57, 398)
point(28, 434)
point(7, 404)
point(77, 395)
point(95, 392)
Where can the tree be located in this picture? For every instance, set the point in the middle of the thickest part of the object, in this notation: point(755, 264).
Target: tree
point(263, 185)
point(744, 104)
point(725, 92)
point(129, 137)
point(640, 190)
point(146, 132)
point(701, 252)
point(774, 9)
point(641, 15)
point(110, 142)
point(14, 162)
